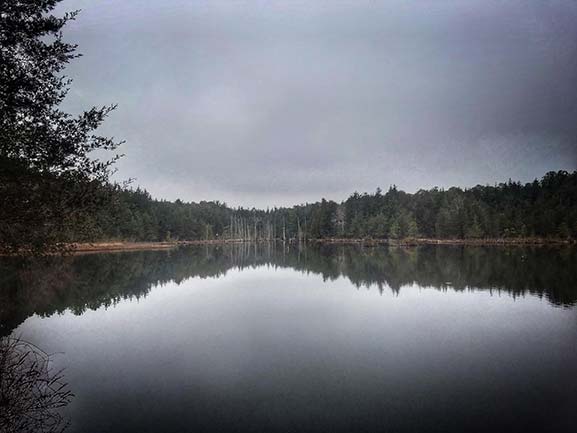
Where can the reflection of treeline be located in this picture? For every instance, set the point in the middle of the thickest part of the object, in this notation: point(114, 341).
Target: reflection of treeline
point(517, 271)
point(548, 272)
point(55, 284)
point(77, 283)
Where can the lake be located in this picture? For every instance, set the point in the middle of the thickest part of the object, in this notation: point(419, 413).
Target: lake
point(282, 338)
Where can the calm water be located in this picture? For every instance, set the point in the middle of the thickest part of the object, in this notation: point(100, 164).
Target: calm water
point(273, 339)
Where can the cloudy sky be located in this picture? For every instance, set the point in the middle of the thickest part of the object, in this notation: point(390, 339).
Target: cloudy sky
point(262, 103)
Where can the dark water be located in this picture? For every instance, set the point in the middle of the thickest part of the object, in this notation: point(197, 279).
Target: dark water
point(282, 339)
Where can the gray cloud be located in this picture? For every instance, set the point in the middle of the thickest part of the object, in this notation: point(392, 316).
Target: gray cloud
point(270, 103)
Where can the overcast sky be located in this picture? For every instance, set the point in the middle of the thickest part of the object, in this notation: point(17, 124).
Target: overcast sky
point(264, 103)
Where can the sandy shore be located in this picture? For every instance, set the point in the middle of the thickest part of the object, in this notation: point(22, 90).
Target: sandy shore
point(133, 246)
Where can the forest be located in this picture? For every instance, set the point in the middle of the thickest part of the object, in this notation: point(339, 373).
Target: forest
point(54, 191)
point(545, 208)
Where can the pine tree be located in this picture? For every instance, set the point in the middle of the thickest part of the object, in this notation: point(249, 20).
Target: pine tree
point(49, 178)
point(395, 229)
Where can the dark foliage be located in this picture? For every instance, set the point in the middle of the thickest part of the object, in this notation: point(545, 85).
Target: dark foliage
point(543, 209)
point(49, 179)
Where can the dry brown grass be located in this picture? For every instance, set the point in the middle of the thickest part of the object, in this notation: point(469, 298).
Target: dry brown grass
point(31, 392)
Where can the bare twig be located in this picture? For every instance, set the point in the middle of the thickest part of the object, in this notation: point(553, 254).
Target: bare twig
point(31, 392)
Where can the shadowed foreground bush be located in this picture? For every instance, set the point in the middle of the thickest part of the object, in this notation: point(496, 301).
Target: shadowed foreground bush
point(31, 393)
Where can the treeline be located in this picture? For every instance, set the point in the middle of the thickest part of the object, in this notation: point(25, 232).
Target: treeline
point(545, 208)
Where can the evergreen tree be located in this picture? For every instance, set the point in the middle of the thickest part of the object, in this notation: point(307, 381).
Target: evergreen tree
point(395, 229)
point(49, 178)
point(412, 228)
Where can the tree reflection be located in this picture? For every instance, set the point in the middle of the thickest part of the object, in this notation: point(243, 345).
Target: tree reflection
point(55, 284)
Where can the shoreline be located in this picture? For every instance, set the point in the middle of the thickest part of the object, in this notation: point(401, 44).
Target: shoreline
point(96, 247)
point(432, 241)
point(128, 246)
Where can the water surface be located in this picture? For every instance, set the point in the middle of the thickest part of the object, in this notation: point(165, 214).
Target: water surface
point(269, 338)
